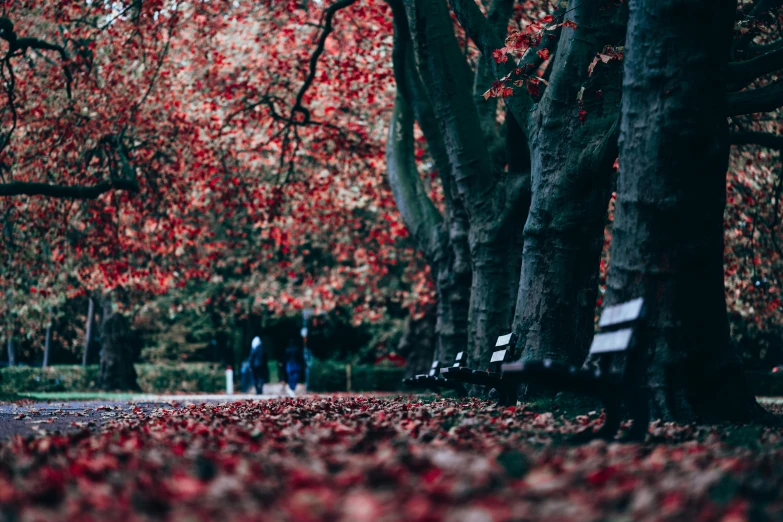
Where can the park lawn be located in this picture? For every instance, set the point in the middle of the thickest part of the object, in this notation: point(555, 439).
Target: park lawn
point(79, 396)
point(384, 459)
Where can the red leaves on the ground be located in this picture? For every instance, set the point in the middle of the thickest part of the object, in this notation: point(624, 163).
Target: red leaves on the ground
point(375, 459)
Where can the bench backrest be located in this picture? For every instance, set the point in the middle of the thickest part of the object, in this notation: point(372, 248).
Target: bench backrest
point(623, 313)
point(460, 360)
point(434, 368)
point(617, 327)
point(505, 343)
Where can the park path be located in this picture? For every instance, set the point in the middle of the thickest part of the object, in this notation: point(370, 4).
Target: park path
point(36, 417)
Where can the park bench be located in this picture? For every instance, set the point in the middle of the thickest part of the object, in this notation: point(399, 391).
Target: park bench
point(491, 378)
point(432, 380)
point(619, 343)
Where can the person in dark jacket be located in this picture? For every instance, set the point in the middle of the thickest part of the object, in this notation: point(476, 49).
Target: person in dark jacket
point(258, 364)
point(294, 365)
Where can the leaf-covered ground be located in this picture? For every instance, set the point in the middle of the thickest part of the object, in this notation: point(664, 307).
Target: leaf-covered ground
point(382, 459)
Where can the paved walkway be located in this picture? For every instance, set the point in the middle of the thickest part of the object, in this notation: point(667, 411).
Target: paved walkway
point(66, 415)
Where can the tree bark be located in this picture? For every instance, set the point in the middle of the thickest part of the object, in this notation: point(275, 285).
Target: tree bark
point(489, 197)
point(417, 343)
point(117, 351)
point(48, 342)
point(571, 175)
point(442, 239)
point(88, 333)
point(667, 240)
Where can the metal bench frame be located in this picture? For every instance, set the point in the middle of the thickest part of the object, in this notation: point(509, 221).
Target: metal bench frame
point(491, 378)
point(432, 380)
point(620, 334)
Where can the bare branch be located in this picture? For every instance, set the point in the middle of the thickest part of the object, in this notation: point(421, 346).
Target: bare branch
point(419, 213)
point(762, 99)
point(327, 29)
point(21, 188)
point(480, 31)
point(762, 139)
point(744, 72)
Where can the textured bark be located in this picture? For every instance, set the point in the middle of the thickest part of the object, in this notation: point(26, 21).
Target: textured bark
point(417, 343)
point(667, 240)
point(443, 240)
point(570, 180)
point(48, 342)
point(117, 352)
point(88, 331)
point(499, 13)
point(489, 197)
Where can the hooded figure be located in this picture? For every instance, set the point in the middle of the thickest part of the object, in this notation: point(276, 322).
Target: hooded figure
point(258, 364)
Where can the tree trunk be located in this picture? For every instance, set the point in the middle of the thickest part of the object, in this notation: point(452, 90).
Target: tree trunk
point(453, 293)
point(442, 238)
point(571, 172)
point(11, 351)
point(667, 240)
point(88, 333)
point(417, 343)
point(117, 352)
point(491, 296)
point(489, 197)
point(48, 342)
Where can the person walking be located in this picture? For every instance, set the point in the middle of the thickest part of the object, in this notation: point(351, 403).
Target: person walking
point(258, 364)
point(294, 364)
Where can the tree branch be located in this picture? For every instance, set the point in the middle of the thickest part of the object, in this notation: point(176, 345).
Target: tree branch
point(480, 31)
point(21, 188)
point(762, 139)
point(762, 99)
point(744, 72)
point(319, 49)
point(419, 213)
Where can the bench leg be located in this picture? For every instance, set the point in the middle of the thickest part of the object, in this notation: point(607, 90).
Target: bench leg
point(640, 413)
point(608, 431)
point(507, 395)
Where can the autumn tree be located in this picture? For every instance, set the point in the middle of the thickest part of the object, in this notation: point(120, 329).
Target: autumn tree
point(235, 187)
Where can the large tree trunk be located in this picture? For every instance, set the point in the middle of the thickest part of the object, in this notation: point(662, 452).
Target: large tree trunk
point(571, 172)
point(117, 351)
point(453, 292)
point(667, 240)
point(442, 238)
point(417, 343)
point(495, 263)
point(489, 197)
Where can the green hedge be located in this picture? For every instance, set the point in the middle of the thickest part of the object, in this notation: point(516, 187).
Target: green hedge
point(331, 376)
point(765, 384)
point(153, 378)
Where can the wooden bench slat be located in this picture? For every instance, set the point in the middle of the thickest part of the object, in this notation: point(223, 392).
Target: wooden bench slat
point(503, 340)
point(618, 341)
point(622, 313)
point(498, 356)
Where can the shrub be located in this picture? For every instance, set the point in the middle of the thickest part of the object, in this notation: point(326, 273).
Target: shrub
point(765, 384)
point(153, 378)
point(331, 376)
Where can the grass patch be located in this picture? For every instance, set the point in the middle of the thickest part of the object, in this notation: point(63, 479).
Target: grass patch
point(79, 396)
